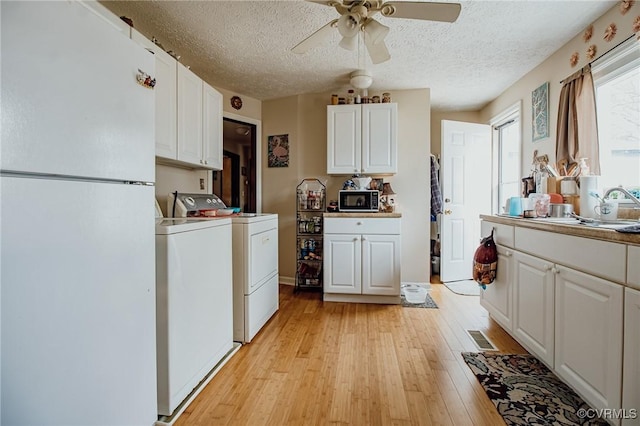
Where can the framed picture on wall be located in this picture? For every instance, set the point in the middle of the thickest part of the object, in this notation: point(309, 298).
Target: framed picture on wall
point(540, 112)
point(278, 148)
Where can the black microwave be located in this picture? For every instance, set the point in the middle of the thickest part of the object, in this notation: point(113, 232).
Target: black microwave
point(361, 200)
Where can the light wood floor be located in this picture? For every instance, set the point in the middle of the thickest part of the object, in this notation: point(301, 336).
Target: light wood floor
point(318, 363)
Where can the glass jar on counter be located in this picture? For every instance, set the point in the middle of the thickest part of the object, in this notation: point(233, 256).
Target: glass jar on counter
point(350, 97)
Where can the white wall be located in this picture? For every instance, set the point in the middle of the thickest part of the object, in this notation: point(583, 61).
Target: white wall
point(553, 70)
point(303, 118)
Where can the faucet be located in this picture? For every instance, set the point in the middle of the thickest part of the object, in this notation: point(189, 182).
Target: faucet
point(624, 191)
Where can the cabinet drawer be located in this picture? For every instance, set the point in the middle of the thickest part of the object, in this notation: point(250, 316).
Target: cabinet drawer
point(502, 234)
point(633, 266)
point(360, 225)
point(600, 258)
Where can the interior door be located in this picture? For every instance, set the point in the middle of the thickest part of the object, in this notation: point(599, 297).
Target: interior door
point(466, 193)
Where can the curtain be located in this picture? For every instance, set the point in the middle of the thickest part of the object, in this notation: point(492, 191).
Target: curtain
point(577, 132)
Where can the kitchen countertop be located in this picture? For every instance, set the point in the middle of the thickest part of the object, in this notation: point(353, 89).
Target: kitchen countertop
point(346, 214)
point(568, 229)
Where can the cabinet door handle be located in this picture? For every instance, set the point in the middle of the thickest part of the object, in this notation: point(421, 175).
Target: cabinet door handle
point(547, 267)
point(364, 239)
point(555, 270)
point(447, 200)
point(355, 239)
point(507, 253)
point(358, 223)
point(206, 161)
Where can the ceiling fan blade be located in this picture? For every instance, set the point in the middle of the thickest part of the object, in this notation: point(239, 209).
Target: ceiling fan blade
point(314, 39)
point(337, 4)
point(429, 11)
point(378, 51)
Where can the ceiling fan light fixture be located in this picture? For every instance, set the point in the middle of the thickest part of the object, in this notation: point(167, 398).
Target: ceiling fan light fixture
point(243, 130)
point(361, 79)
point(349, 43)
point(375, 31)
point(349, 24)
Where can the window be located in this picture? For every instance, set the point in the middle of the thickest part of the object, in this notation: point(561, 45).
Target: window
point(506, 146)
point(616, 78)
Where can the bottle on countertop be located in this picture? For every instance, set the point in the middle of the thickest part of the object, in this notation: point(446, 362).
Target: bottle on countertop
point(350, 97)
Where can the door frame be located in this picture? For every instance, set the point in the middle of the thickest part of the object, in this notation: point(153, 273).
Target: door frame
point(257, 142)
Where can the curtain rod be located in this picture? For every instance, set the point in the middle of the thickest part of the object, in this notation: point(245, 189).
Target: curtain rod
point(602, 54)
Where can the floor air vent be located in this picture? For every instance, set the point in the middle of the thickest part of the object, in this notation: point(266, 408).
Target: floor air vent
point(481, 341)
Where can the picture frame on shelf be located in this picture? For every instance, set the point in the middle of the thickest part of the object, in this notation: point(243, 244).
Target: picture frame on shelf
point(376, 183)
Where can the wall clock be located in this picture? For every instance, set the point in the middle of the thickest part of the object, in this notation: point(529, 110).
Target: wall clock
point(236, 102)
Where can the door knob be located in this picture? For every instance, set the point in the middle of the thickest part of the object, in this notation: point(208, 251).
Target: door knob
point(447, 212)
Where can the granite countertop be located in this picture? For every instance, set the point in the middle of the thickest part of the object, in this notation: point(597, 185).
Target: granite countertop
point(586, 231)
point(370, 214)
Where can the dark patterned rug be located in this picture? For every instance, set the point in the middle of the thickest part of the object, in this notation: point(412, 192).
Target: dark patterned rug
point(428, 303)
point(526, 392)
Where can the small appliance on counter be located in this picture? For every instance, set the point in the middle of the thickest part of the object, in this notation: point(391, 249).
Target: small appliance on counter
point(359, 200)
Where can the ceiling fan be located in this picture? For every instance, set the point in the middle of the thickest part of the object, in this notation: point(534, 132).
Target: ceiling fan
point(356, 17)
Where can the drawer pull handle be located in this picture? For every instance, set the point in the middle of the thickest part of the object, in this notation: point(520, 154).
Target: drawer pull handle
point(507, 253)
point(359, 223)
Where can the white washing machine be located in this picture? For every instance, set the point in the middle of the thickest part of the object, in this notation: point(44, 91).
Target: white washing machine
point(194, 318)
point(255, 273)
point(255, 260)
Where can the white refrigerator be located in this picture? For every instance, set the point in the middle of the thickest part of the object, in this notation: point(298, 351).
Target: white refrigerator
point(77, 281)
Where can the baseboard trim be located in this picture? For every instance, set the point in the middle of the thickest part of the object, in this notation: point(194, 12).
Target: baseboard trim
point(287, 280)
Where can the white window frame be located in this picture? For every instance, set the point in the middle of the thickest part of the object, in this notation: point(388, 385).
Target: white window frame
point(513, 112)
point(618, 61)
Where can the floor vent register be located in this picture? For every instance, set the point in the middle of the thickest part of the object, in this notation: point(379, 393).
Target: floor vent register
point(482, 342)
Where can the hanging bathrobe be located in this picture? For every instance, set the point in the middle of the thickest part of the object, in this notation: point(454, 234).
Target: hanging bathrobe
point(436, 194)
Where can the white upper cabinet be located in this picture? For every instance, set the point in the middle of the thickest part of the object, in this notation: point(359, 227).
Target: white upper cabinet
point(189, 116)
point(211, 127)
point(362, 138)
point(188, 113)
point(165, 90)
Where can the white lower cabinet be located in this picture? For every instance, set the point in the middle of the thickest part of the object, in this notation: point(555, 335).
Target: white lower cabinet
point(588, 324)
point(631, 367)
point(569, 307)
point(533, 305)
point(497, 298)
point(362, 264)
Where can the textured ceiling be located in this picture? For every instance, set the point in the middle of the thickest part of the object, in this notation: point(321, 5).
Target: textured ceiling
point(244, 46)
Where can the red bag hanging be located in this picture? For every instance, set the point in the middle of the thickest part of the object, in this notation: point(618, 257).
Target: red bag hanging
point(485, 262)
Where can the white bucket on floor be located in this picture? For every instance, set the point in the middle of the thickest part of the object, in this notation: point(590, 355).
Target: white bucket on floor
point(414, 293)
